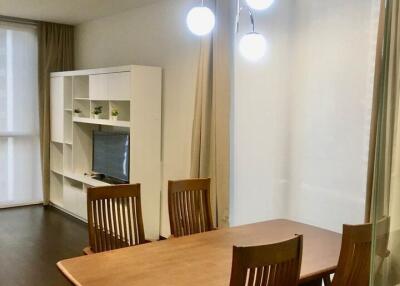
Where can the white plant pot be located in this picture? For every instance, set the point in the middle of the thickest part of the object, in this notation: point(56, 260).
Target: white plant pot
point(77, 114)
point(96, 116)
point(114, 117)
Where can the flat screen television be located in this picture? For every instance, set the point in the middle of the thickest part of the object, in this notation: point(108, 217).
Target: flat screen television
point(111, 156)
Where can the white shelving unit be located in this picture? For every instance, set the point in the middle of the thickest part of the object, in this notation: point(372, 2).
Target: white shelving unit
point(135, 91)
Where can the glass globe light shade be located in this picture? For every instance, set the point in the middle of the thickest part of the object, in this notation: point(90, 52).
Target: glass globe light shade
point(259, 4)
point(253, 46)
point(200, 20)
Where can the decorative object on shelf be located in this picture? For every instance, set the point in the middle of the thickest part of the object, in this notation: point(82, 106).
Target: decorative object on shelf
point(77, 112)
point(253, 46)
point(97, 111)
point(200, 20)
point(114, 114)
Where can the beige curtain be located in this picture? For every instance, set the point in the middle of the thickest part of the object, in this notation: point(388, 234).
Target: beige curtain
point(56, 53)
point(210, 139)
point(384, 168)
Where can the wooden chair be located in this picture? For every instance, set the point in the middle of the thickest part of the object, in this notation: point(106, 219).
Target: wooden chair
point(114, 218)
point(355, 254)
point(268, 265)
point(189, 207)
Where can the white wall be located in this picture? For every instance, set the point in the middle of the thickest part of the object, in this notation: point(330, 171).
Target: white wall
point(152, 35)
point(302, 115)
point(260, 123)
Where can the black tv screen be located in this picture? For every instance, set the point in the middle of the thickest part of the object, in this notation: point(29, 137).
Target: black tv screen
point(111, 154)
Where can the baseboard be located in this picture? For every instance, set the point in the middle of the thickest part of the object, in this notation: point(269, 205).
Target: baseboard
point(67, 212)
point(20, 205)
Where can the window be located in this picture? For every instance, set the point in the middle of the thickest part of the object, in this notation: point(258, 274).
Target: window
point(20, 169)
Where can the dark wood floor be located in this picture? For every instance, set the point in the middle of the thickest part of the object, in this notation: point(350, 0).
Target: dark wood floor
point(32, 240)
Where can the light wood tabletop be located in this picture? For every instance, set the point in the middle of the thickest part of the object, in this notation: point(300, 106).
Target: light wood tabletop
point(200, 259)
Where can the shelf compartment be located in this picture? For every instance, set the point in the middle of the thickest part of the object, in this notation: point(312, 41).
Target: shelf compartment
point(124, 109)
point(117, 123)
point(67, 158)
point(56, 157)
point(68, 92)
point(83, 106)
point(82, 147)
point(67, 127)
point(81, 86)
point(105, 111)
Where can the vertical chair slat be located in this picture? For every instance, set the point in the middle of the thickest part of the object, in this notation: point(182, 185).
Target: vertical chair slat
point(104, 224)
point(119, 216)
point(131, 235)
point(134, 217)
point(110, 224)
point(126, 234)
point(97, 227)
point(116, 223)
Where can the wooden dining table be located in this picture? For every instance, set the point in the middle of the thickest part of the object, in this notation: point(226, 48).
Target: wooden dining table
point(201, 259)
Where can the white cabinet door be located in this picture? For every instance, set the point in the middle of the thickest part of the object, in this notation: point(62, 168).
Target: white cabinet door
point(119, 86)
point(69, 197)
point(98, 87)
point(57, 109)
point(81, 203)
point(111, 86)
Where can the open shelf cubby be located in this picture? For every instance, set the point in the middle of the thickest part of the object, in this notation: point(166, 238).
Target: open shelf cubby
point(82, 148)
point(81, 86)
point(67, 127)
point(105, 108)
point(123, 108)
point(67, 160)
point(68, 93)
point(56, 157)
point(83, 106)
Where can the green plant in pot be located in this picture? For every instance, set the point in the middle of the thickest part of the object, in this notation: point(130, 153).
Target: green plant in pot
point(97, 111)
point(77, 112)
point(114, 114)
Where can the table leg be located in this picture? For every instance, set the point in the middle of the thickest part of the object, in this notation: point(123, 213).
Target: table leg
point(317, 282)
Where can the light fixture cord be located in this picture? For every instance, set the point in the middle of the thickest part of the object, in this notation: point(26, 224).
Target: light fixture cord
point(251, 14)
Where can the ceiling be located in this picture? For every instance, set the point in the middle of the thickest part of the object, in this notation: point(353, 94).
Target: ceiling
point(67, 11)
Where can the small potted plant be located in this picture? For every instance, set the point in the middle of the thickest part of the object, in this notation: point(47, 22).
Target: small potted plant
point(114, 114)
point(77, 112)
point(97, 111)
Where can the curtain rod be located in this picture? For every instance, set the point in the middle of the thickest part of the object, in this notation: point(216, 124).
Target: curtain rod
point(18, 20)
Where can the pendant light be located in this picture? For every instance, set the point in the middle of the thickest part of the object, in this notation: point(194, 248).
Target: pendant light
point(200, 20)
point(253, 45)
point(259, 4)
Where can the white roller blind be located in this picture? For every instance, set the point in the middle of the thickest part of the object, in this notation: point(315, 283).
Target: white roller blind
point(20, 171)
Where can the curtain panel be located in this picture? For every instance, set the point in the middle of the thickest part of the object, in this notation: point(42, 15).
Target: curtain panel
point(383, 189)
point(56, 53)
point(211, 124)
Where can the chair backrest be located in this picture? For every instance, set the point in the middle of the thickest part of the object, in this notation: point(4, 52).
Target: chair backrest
point(268, 265)
point(355, 254)
point(114, 217)
point(189, 206)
